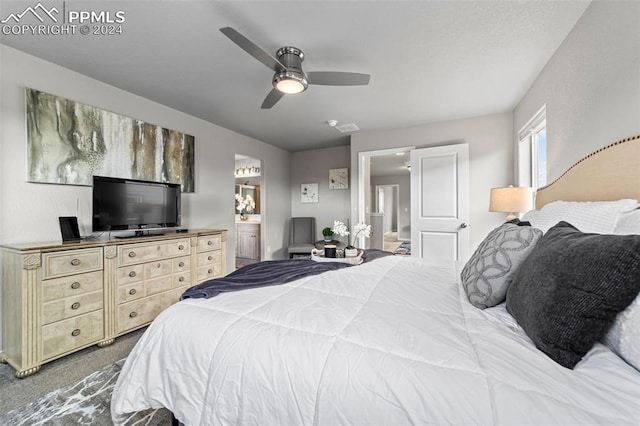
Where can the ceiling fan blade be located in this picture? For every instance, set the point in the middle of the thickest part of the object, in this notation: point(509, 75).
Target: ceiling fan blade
point(252, 49)
point(271, 99)
point(336, 78)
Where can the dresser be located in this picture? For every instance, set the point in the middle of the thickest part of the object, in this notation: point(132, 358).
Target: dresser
point(60, 298)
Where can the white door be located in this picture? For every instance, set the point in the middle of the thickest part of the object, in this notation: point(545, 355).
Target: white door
point(440, 202)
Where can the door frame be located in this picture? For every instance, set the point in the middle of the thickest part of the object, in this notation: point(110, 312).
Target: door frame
point(364, 181)
point(262, 203)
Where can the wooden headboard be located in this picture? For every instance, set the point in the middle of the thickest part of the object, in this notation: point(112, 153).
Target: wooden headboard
point(609, 174)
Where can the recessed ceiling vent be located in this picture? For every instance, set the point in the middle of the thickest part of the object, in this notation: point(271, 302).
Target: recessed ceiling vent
point(347, 128)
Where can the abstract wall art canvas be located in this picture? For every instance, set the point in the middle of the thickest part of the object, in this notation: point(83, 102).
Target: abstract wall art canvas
point(309, 193)
point(339, 178)
point(68, 142)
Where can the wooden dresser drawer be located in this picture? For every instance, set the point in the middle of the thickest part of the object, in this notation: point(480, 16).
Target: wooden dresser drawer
point(166, 267)
point(71, 306)
point(130, 291)
point(140, 312)
point(64, 336)
point(209, 257)
point(159, 285)
point(59, 288)
point(130, 274)
point(209, 271)
point(69, 262)
point(209, 242)
point(144, 252)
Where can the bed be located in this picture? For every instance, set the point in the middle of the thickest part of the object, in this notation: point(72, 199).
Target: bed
point(401, 340)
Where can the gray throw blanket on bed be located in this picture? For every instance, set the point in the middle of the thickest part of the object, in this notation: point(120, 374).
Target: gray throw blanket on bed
point(261, 274)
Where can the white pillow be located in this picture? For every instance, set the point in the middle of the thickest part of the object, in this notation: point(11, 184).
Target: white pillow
point(628, 223)
point(588, 216)
point(624, 336)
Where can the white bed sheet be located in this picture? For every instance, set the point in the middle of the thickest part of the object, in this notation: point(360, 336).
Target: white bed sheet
point(392, 341)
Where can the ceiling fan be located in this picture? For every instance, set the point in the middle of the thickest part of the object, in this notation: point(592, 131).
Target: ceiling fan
point(289, 78)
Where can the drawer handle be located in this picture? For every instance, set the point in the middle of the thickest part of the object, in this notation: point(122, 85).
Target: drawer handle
point(76, 332)
point(181, 279)
point(132, 274)
point(181, 264)
point(132, 254)
point(180, 247)
point(132, 291)
point(75, 262)
point(75, 285)
point(209, 243)
point(133, 314)
point(210, 258)
point(75, 305)
point(210, 271)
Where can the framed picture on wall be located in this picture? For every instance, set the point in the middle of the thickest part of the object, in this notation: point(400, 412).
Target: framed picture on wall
point(309, 193)
point(339, 178)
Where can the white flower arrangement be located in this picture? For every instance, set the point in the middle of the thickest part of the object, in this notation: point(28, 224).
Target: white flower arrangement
point(245, 205)
point(361, 229)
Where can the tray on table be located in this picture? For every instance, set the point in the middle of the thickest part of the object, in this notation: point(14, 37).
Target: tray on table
point(318, 256)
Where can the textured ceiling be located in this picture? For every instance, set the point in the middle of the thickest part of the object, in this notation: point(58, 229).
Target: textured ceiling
point(429, 60)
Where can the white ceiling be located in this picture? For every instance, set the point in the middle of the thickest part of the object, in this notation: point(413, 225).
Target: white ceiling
point(429, 60)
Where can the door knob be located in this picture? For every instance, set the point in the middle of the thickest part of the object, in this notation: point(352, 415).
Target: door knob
point(463, 225)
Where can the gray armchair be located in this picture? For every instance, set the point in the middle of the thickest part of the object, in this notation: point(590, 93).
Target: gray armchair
point(302, 235)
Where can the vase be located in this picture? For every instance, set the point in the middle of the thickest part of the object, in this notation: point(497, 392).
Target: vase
point(244, 217)
point(350, 252)
point(327, 239)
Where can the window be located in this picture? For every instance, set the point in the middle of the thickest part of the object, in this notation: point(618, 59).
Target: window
point(539, 157)
point(532, 151)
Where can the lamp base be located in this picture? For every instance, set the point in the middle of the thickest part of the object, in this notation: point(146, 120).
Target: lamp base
point(511, 216)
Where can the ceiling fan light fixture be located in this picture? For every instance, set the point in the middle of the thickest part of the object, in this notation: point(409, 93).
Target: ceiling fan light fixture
point(290, 82)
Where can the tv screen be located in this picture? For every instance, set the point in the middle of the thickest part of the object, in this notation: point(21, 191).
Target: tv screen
point(121, 204)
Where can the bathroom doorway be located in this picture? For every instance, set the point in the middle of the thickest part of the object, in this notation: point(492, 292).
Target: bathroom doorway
point(249, 200)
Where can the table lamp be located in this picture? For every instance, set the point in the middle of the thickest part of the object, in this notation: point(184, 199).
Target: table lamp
point(511, 200)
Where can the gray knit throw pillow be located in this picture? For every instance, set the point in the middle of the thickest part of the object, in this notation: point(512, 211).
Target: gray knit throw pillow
point(490, 270)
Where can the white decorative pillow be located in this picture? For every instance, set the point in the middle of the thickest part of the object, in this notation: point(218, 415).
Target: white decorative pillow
point(598, 217)
point(623, 337)
point(628, 223)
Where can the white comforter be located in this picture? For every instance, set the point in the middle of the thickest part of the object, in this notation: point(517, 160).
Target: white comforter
point(393, 341)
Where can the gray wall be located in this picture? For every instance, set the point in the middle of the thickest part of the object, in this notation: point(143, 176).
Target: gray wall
point(404, 201)
point(29, 212)
point(490, 159)
point(591, 86)
point(313, 167)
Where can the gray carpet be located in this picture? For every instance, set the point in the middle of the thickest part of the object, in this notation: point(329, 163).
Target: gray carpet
point(58, 381)
point(87, 402)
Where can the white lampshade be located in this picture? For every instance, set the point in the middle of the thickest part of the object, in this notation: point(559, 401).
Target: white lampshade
point(511, 200)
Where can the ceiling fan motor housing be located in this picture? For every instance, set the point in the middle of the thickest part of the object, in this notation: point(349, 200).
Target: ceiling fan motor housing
point(291, 58)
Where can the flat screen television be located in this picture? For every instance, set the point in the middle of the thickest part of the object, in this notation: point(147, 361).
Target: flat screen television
point(128, 204)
